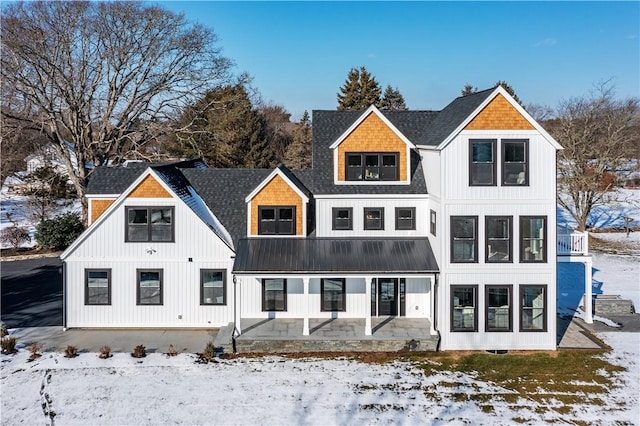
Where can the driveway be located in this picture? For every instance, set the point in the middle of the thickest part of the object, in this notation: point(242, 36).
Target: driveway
point(31, 292)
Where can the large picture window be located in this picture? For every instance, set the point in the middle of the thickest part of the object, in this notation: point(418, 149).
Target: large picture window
point(515, 156)
point(498, 239)
point(274, 294)
point(373, 218)
point(333, 291)
point(213, 287)
point(482, 162)
point(342, 218)
point(149, 287)
point(464, 239)
point(371, 166)
point(145, 224)
point(464, 312)
point(276, 220)
point(533, 308)
point(533, 239)
point(405, 218)
point(97, 286)
point(498, 308)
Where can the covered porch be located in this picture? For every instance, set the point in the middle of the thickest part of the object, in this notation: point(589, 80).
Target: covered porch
point(389, 334)
point(573, 246)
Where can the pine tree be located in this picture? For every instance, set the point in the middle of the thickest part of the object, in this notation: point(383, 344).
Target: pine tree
point(509, 90)
point(359, 91)
point(468, 90)
point(299, 152)
point(393, 100)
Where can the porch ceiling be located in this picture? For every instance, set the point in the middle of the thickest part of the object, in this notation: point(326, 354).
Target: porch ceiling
point(334, 255)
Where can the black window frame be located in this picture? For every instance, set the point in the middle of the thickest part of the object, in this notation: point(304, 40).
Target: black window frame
point(453, 239)
point(365, 224)
point(203, 300)
point(335, 221)
point(149, 225)
point(343, 300)
point(358, 173)
point(523, 308)
point(525, 163)
point(87, 297)
point(453, 307)
point(523, 247)
point(472, 170)
point(409, 224)
point(264, 295)
point(489, 239)
point(433, 222)
point(161, 287)
point(278, 222)
point(488, 314)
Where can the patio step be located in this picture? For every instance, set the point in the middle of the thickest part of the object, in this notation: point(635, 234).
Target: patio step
point(224, 338)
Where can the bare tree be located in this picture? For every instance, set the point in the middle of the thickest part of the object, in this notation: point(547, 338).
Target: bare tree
point(104, 76)
point(597, 132)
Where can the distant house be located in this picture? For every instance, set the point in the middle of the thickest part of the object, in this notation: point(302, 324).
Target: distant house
point(447, 216)
point(48, 156)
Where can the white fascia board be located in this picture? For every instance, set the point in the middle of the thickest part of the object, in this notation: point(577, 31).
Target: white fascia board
point(370, 196)
point(268, 179)
point(364, 115)
point(370, 182)
point(101, 196)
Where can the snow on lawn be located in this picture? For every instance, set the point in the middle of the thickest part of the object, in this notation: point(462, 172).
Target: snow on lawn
point(622, 203)
point(273, 390)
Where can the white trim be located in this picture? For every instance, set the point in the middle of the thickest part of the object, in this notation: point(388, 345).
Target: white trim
point(372, 182)
point(335, 274)
point(101, 196)
point(371, 196)
point(269, 178)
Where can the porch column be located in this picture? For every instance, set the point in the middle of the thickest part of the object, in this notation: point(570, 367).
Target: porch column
point(367, 317)
point(588, 291)
point(237, 307)
point(305, 323)
point(432, 293)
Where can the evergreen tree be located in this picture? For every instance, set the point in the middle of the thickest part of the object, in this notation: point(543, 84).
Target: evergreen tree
point(468, 90)
point(509, 90)
point(393, 100)
point(299, 152)
point(359, 91)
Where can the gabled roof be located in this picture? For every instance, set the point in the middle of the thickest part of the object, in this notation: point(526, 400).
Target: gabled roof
point(334, 255)
point(288, 177)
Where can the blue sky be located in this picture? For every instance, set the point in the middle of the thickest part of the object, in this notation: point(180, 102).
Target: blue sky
point(299, 53)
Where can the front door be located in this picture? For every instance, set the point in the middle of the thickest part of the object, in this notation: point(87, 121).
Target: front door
point(387, 296)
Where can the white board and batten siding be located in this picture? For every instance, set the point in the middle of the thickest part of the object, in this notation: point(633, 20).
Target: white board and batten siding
point(418, 297)
point(324, 216)
point(195, 247)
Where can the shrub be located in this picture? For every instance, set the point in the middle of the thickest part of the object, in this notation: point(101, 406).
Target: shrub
point(3, 329)
point(105, 352)
point(8, 345)
point(172, 351)
point(139, 352)
point(208, 354)
point(15, 236)
point(35, 349)
point(58, 233)
point(71, 352)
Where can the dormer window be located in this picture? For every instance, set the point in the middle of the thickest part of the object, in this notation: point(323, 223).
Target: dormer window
point(277, 220)
point(372, 166)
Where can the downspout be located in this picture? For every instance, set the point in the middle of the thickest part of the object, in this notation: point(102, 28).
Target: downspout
point(435, 309)
point(64, 296)
point(236, 300)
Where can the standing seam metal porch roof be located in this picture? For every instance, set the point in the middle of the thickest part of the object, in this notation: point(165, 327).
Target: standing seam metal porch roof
point(334, 256)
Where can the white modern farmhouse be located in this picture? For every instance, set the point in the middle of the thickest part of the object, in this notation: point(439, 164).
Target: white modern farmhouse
point(445, 219)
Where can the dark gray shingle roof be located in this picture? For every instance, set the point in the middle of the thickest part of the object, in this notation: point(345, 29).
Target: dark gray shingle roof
point(334, 255)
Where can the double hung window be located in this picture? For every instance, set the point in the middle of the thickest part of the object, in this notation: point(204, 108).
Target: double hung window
point(146, 224)
point(498, 308)
point(373, 218)
point(333, 292)
point(533, 307)
point(482, 162)
point(277, 220)
point(213, 287)
point(514, 162)
point(274, 294)
point(432, 223)
point(405, 218)
point(464, 312)
point(498, 239)
point(149, 287)
point(533, 239)
point(97, 287)
point(464, 239)
point(371, 166)
point(342, 219)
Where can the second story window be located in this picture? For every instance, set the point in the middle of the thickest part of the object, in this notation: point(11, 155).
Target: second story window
point(405, 218)
point(514, 162)
point(342, 219)
point(482, 162)
point(372, 166)
point(146, 224)
point(276, 220)
point(373, 218)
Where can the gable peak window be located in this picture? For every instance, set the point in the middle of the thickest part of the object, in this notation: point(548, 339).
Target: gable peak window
point(515, 156)
point(276, 220)
point(150, 224)
point(372, 166)
point(482, 162)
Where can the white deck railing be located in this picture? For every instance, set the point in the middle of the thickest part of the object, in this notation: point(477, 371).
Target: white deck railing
point(572, 243)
